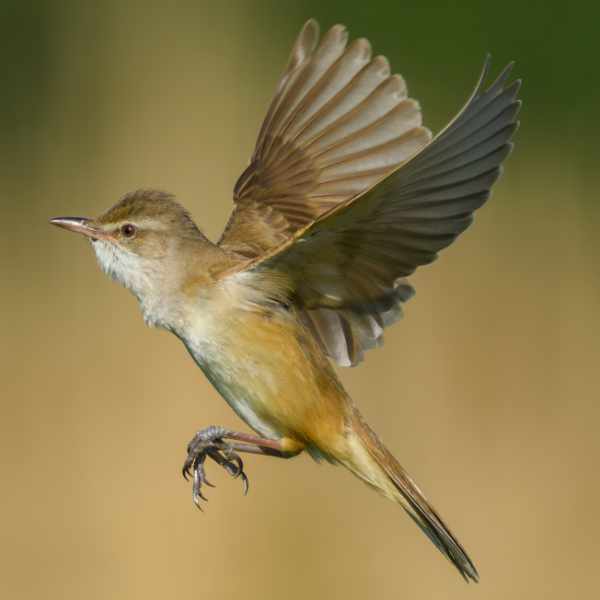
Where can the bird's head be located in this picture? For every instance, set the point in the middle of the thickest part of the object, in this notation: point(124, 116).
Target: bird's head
point(144, 241)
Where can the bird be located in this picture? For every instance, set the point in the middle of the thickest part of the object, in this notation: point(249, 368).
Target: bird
point(346, 194)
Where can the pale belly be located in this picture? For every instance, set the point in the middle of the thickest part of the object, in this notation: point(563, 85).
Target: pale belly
point(240, 384)
point(270, 374)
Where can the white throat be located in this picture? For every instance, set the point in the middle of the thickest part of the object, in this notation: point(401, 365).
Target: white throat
point(142, 276)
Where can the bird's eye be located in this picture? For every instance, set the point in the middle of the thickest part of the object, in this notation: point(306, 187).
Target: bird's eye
point(128, 230)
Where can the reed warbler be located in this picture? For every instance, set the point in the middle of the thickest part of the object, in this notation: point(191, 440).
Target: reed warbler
point(346, 194)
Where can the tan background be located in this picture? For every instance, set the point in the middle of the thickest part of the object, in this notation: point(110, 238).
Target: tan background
point(487, 391)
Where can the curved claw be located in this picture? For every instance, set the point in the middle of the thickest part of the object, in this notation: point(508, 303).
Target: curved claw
point(233, 468)
point(245, 483)
point(199, 479)
point(234, 465)
point(196, 500)
point(239, 464)
point(191, 462)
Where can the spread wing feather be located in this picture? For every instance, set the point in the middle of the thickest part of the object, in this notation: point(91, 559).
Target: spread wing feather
point(347, 268)
point(338, 122)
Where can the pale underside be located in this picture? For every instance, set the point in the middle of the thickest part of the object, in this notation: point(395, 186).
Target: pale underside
point(267, 368)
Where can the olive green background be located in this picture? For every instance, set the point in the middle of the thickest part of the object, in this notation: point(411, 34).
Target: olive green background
point(488, 391)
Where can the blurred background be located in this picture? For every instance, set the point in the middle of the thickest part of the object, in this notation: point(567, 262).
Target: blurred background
point(488, 391)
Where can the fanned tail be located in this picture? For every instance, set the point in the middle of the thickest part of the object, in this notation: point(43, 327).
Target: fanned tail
point(372, 462)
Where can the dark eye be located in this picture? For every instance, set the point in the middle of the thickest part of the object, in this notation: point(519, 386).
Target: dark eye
point(128, 230)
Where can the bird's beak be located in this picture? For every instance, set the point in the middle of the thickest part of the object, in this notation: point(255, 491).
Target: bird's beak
point(80, 225)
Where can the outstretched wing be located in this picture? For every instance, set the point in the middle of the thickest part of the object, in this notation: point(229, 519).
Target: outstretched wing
point(337, 123)
point(346, 269)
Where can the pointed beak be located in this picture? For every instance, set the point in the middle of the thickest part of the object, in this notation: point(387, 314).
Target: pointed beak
point(79, 225)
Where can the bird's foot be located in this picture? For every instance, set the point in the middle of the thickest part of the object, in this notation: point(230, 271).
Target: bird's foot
point(207, 443)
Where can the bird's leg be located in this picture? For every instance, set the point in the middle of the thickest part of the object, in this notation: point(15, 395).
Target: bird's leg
point(223, 446)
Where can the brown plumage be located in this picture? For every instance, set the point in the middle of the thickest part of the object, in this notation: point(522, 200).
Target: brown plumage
point(345, 196)
point(339, 121)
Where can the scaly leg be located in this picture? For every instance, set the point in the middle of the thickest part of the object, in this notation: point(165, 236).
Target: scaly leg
point(211, 442)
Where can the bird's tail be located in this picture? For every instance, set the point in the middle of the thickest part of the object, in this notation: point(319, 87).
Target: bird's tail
point(372, 462)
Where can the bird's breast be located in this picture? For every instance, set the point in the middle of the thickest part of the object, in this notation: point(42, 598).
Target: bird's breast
point(269, 370)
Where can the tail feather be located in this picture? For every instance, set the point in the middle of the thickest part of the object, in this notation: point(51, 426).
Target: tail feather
point(404, 490)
